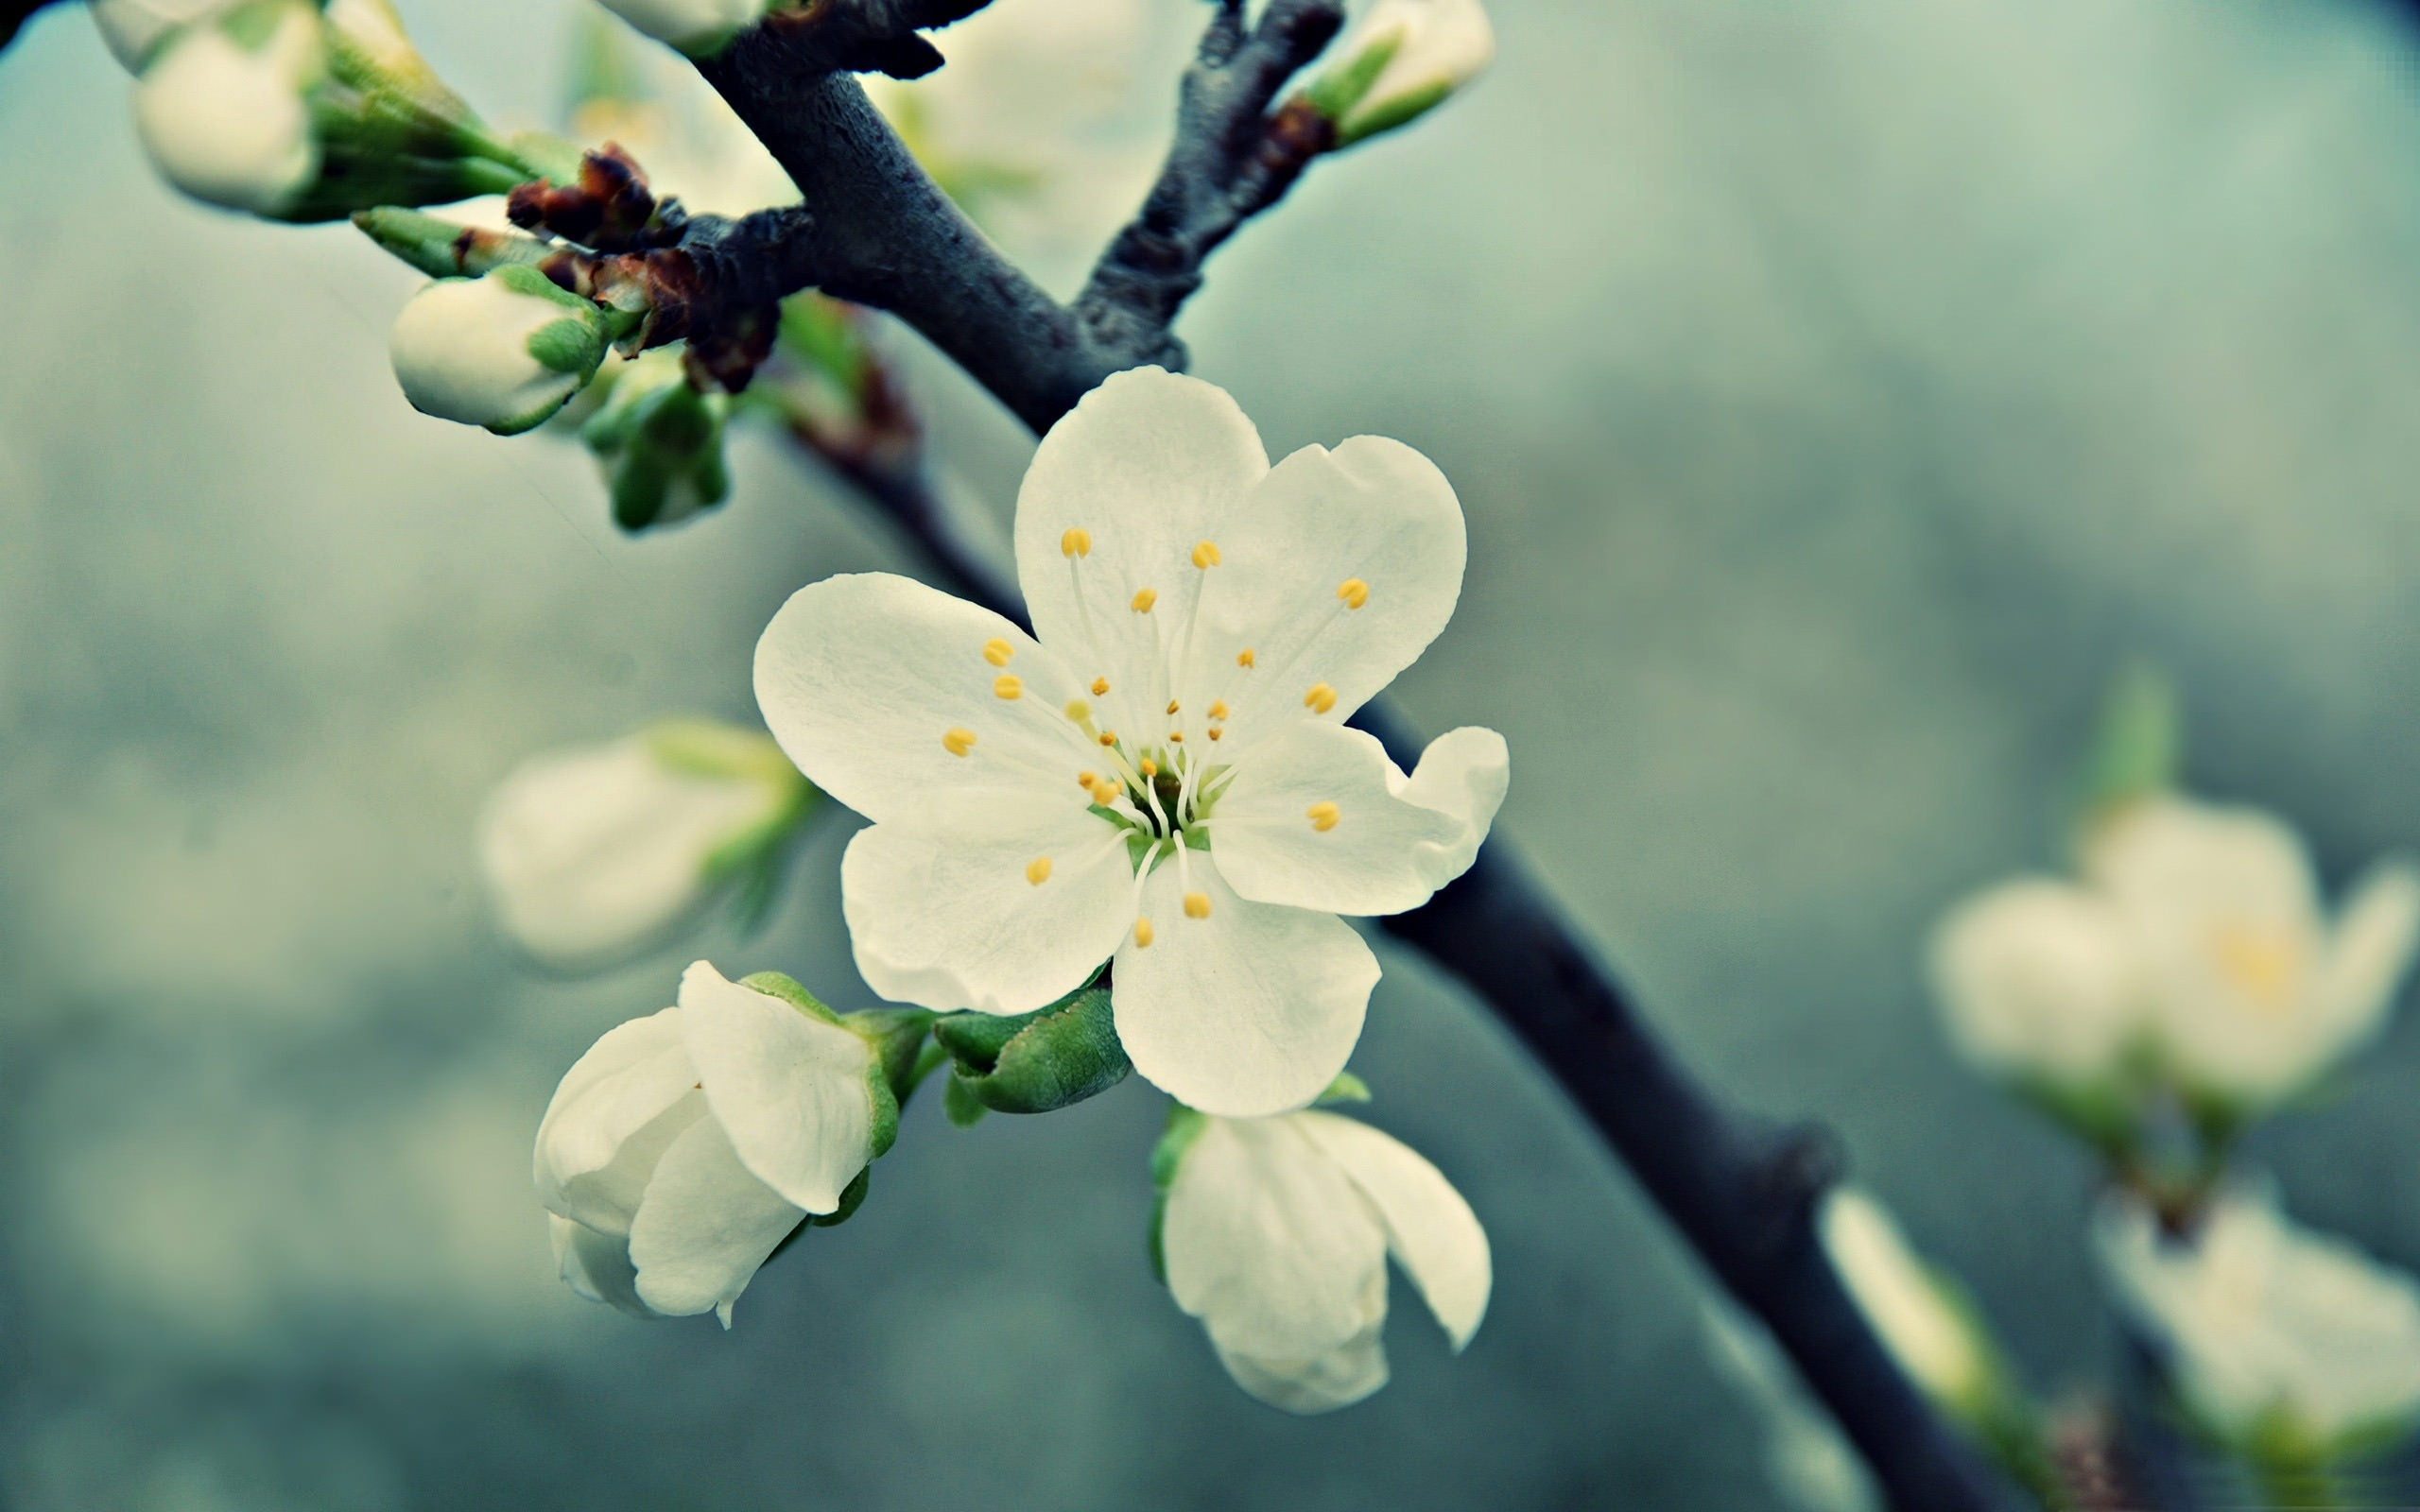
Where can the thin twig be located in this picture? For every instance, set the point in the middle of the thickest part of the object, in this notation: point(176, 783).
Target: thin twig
point(1742, 1195)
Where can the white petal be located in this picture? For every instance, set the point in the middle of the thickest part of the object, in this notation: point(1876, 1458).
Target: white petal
point(863, 679)
point(1319, 1382)
point(2037, 978)
point(594, 853)
point(611, 1119)
point(1430, 1230)
point(228, 124)
point(1268, 1241)
point(705, 1227)
point(1148, 465)
point(789, 1090)
point(1250, 1011)
point(2372, 948)
point(131, 28)
point(1372, 512)
point(594, 1266)
point(1391, 840)
point(956, 921)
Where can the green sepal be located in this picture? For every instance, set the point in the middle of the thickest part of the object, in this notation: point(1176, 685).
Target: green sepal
point(852, 1197)
point(1401, 111)
point(658, 438)
point(1335, 93)
point(1347, 1088)
point(572, 346)
point(1037, 1063)
point(1184, 1125)
point(2138, 746)
point(960, 1103)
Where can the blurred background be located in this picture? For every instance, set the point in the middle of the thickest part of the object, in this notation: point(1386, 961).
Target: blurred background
point(1838, 394)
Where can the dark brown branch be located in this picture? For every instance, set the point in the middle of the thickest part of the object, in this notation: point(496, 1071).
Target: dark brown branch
point(880, 232)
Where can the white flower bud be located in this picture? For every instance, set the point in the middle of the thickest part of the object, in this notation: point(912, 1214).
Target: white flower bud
point(132, 27)
point(593, 853)
point(1404, 58)
point(1932, 1337)
point(504, 351)
point(2275, 1337)
point(683, 1147)
point(698, 27)
point(221, 106)
point(1275, 1233)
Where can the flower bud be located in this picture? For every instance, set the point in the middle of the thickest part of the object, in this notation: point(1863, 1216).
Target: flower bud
point(505, 350)
point(1275, 1232)
point(222, 107)
point(685, 1148)
point(1924, 1322)
point(660, 442)
point(698, 27)
point(593, 853)
point(1035, 1062)
point(1406, 56)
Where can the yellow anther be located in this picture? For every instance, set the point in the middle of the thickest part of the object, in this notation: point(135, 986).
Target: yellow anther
point(1088, 781)
point(1171, 705)
point(1100, 687)
point(1243, 657)
point(1323, 817)
point(1078, 711)
point(1144, 599)
point(1219, 709)
point(998, 651)
point(1148, 767)
point(1105, 792)
point(1007, 685)
point(1320, 699)
point(1216, 731)
point(1197, 905)
point(1353, 592)
point(1205, 554)
point(1038, 870)
point(1109, 737)
point(1142, 933)
point(1176, 737)
point(958, 741)
point(1076, 542)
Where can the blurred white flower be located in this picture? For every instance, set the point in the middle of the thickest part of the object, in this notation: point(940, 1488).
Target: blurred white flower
point(1166, 774)
point(1275, 1234)
point(597, 852)
point(698, 27)
point(684, 1147)
point(222, 106)
point(2196, 934)
point(1402, 60)
point(2278, 1339)
point(1931, 1334)
point(505, 351)
point(2253, 992)
point(131, 28)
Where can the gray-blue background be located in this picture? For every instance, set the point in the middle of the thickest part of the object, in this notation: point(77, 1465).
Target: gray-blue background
point(1837, 390)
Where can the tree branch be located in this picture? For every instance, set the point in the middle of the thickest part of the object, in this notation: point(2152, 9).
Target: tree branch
point(1742, 1195)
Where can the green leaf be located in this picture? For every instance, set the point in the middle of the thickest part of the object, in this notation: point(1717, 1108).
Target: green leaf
point(961, 1104)
point(1037, 1063)
point(2138, 746)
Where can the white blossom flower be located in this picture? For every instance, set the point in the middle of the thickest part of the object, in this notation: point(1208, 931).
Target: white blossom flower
point(2196, 933)
point(594, 853)
point(1402, 60)
point(2275, 1334)
point(1275, 1234)
point(132, 27)
point(505, 351)
point(686, 1146)
point(1932, 1337)
point(1165, 774)
point(698, 27)
point(221, 106)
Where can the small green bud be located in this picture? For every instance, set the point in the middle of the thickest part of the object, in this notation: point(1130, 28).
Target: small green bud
point(660, 442)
